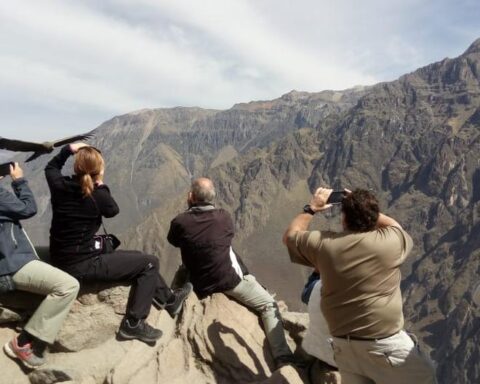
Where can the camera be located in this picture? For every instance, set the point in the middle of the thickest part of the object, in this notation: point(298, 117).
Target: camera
point(336, 197)
point(5, 168)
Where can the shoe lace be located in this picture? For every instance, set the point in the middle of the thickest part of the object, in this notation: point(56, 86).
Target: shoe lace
point(26, 350)
point(180, 292)
point(146, 328)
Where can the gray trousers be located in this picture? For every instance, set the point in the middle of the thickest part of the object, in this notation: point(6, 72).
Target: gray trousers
point(250, 293)
point(60, 290)
point(394, 360)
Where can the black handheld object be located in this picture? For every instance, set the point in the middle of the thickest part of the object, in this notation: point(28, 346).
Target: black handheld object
point(336, 197)
point(5, 168)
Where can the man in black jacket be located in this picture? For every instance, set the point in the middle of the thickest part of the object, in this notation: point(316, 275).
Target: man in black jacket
point(204, 235)
point(19, 262)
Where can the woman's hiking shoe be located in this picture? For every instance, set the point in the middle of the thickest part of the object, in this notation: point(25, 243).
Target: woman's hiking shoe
point(141, 331)
point(26, 354)
point(179, 296)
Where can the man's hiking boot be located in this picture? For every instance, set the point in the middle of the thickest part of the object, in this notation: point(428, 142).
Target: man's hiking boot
point(26, 354)
point(141, 331)
point(180, 294)
point(284, 360)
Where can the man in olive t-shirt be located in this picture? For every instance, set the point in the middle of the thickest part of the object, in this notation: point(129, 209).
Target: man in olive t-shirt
point(361, 298)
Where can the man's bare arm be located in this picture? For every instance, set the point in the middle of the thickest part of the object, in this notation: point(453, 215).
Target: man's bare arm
point(302, 221)
point(299, 223)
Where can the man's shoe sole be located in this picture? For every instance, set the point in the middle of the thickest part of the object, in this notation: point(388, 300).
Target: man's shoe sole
point(126, 336)
point(10, 353)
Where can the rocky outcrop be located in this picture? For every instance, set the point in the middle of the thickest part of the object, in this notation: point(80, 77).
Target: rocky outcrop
point(214, 340)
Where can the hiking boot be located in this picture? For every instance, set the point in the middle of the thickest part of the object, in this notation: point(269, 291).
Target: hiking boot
point(27, 355)
point(141, 331)
point(174, 308)
point(181, 295)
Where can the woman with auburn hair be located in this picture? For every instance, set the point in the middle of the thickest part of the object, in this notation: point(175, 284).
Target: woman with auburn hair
point(78, 203)
point(89, 166)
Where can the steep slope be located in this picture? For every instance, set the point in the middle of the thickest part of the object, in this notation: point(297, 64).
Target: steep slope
point(151, 155)
point(416, 142)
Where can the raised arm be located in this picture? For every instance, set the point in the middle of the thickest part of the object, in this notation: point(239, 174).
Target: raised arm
point(53, 170)
point(20, 205)
point(302, 221)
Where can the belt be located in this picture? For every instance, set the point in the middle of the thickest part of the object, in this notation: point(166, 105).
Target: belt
point(358, 338)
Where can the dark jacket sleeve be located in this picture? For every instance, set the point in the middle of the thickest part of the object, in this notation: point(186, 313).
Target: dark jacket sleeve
point(174, 233)
point(106, 204)
point(53, 170)
point(229, 223)
point(19, 206)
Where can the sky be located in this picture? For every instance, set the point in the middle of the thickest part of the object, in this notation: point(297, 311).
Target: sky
point(67, 66)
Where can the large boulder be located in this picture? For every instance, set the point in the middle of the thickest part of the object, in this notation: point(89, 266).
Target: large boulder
point(214, 340)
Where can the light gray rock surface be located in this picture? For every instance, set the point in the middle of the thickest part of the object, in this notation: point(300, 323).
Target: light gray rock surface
point(214, 340)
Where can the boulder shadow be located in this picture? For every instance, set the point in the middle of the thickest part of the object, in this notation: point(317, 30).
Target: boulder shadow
point(227, 365)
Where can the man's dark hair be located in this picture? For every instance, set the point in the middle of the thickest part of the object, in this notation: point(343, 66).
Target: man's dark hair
point(360, 209)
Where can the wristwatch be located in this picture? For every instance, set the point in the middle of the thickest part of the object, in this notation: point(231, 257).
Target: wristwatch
point(308, 209)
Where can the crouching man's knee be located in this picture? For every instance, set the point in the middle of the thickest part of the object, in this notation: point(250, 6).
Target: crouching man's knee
point(69, 287)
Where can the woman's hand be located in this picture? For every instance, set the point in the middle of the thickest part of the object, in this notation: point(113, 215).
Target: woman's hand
point(76, 146)
point(16, 172)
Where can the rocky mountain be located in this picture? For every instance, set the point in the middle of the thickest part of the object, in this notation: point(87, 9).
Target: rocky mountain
point(151, 156)
point(414, 141)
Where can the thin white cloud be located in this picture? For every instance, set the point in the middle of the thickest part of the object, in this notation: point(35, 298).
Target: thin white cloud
point(50, 85)
point(88, 48)
point(90, 60)
point(72, 50)
point(239, 31)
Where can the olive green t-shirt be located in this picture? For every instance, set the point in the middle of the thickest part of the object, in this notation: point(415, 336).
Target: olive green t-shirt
point(360, 274)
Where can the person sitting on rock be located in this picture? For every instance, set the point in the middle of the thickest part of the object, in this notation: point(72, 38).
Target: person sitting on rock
point(312, 281)
point(20, 265)
point(317, 340)
point(204, 235)
point(78, 204)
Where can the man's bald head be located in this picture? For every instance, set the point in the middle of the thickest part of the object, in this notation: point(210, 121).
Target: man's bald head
point(202, 190)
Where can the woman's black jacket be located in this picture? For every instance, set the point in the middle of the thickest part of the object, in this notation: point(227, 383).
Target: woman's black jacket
point(75, 218)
